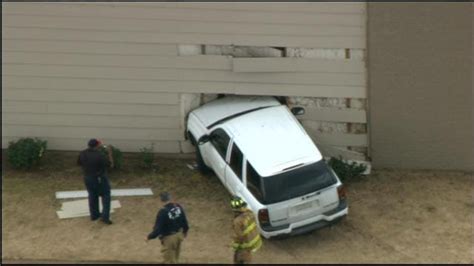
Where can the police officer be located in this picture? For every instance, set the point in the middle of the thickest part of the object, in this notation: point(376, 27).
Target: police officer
point(94, 165)
point(171, 227)
point(246, 238)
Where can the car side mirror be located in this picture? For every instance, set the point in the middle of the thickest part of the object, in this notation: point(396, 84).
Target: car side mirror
point(204, 139)
point(297, 110)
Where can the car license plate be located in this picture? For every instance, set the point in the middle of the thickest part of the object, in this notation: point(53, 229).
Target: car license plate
point(304, 206)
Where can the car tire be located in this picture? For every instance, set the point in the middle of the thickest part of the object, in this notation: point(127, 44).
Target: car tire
point(202, 167)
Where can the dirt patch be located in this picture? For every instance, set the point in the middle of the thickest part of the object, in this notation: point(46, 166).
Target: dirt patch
point(394, 217)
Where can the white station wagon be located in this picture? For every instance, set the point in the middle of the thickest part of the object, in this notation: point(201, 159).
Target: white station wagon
point(260, 152)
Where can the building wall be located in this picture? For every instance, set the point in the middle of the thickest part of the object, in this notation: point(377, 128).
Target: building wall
point(71, 71)
point(420, 85)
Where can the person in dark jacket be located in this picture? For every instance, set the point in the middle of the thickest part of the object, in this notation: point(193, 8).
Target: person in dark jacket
point(171, 227)
point(94, 165)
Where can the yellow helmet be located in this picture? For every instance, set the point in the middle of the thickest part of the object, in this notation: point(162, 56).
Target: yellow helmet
point(236, 203)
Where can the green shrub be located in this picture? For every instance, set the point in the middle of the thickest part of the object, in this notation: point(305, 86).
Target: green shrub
point(147, 157)
point(117, 156)
point(25, 152)
point(346, 171)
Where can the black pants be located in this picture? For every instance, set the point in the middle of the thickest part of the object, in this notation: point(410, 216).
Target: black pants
point(98, 186)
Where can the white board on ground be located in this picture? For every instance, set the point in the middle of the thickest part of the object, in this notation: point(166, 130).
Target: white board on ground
point(83, 205)
point(80, 208)
point(114, 192)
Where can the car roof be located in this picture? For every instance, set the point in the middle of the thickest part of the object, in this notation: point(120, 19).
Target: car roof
point(219, 109)
point(272, 140)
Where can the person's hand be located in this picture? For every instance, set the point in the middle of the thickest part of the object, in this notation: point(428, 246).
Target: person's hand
point(146, 239)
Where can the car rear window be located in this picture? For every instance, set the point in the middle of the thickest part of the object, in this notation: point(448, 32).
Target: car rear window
point(297, 182)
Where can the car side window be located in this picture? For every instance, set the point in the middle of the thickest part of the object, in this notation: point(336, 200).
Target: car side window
point(254, 183)
point(220, 140)
point(236, 158)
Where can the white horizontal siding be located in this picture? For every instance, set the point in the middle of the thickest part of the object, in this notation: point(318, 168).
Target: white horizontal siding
point(95, 96)
point(92, 47)
point(334, 115)
point(186, 38)
point(183, 86)
point(71, 71)
point(211, 62)
point(92, 72)
point(337, 14)
point(108, 121)
point(13, 106)
point(84, 132)
point(335, 151)
point(294, 64)
point(184, 27)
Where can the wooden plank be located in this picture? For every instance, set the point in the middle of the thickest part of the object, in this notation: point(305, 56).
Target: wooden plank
point(158, 12)
point(334, 151)
point(335, 79)
point(12, 130)
point(185, 27)
point(124, 144)
point(97, 97)
point(352, 42)
point(113, 192)
point(90, 108)
point(333, 115)
point(296, 65)
point(214, 62)
point(122, 121)
point(180, 86)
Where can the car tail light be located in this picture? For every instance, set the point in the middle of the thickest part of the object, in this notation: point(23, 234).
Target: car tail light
point(341, 192)
point(263, 217)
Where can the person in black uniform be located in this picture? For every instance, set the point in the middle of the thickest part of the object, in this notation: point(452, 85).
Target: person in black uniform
point(94, 165)
point(171, 227)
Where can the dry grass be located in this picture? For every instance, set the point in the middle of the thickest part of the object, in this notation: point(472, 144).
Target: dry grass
point(394, 217)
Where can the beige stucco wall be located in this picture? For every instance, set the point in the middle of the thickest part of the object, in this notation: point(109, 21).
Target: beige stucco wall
point(420, 85)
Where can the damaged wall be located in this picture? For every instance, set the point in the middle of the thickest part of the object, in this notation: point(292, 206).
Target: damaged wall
point(311, 123)
point(148, 64)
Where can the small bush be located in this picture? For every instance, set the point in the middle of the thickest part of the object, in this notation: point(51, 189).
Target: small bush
point(26, 152)
point(346, 171)
point(147, 157)
point(117, 156)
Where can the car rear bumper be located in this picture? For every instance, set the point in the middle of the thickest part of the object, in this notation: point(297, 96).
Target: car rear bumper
point(308, 225)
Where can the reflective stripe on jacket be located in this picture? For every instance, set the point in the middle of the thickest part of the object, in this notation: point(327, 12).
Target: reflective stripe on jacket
point(246, 235)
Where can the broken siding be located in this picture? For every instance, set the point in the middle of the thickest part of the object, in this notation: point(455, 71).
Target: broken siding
point(114, 67)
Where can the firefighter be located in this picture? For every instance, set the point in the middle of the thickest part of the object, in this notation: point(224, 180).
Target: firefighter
point(246, 235)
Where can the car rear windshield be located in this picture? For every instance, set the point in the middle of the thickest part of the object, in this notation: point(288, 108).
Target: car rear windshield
point(297, 182)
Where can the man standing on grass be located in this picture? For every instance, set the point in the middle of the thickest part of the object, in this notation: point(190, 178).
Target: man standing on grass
point(94, 165)
point(171, 227)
